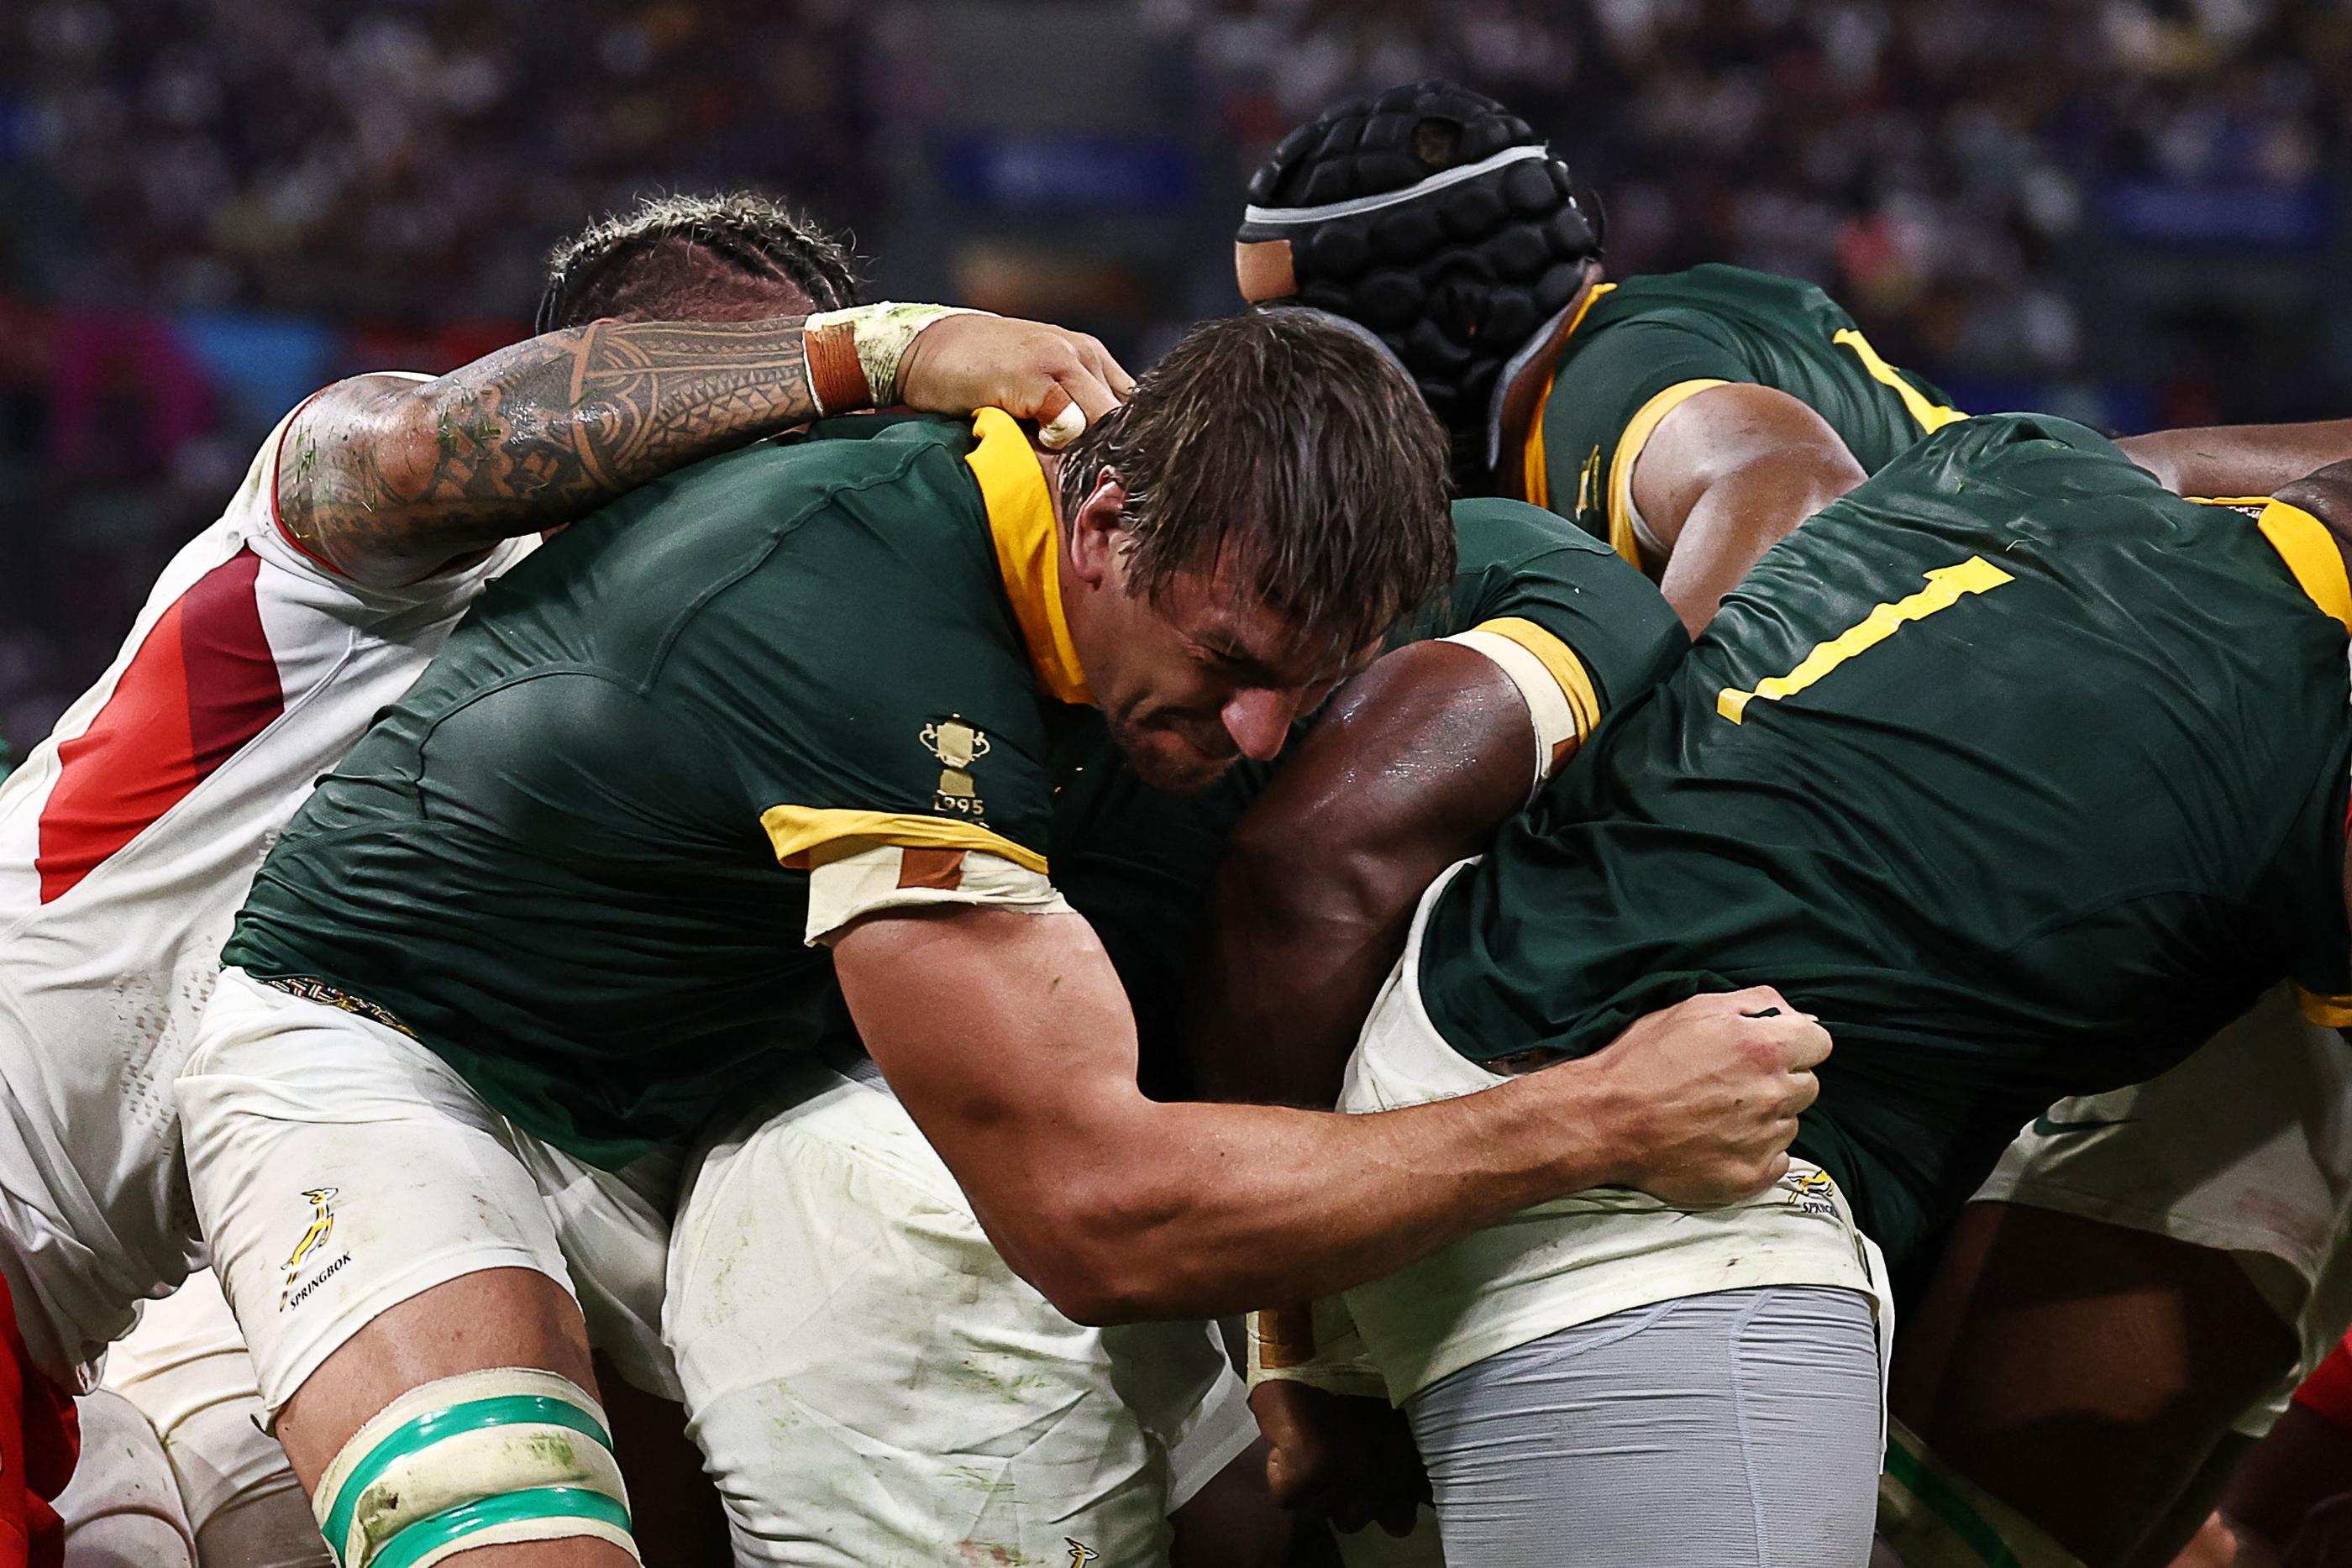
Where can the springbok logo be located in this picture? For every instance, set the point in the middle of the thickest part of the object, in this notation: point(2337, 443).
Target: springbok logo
point(322, 1225)
point(1810, 1192)
point(1080, 1553)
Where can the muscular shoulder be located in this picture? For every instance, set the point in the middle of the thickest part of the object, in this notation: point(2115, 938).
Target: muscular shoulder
point(1520, 564)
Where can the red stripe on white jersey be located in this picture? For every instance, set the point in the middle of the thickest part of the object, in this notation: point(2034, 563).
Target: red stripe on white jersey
point(202, 684)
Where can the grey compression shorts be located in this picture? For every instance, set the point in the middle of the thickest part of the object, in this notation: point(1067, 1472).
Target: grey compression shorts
point(1738, 1429)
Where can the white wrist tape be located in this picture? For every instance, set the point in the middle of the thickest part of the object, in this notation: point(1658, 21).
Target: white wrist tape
point(509, 1454)
point(882, 333)
point(1557, 726)
point(1331, 1356)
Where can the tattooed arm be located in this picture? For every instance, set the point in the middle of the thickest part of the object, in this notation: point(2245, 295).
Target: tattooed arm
point(387, 479)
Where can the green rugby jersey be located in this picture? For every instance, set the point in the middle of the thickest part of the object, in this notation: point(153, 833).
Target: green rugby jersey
point(1137, 863)
point(585, 858)
point(2022, 773)
point(1643, 345)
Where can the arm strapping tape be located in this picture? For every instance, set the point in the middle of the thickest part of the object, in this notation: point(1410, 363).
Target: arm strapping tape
point(1558, 725)
point(881, 335)
point(1323, 1351)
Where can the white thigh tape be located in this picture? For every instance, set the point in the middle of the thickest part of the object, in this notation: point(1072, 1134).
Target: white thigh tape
point(1547, 704)
point(504, 1455)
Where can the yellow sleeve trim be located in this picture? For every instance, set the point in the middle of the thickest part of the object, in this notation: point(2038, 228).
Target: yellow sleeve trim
point(802, 835)
point(1559, 661)
point(1929, 416)
point(1636, 436)
point(2309, 550)
point(2228, 500)
point(2328, 1012)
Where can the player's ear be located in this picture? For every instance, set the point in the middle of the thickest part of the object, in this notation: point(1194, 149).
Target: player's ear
point(1095, 530)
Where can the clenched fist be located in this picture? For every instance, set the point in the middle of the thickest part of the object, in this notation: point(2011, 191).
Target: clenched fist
point(1699, 1101)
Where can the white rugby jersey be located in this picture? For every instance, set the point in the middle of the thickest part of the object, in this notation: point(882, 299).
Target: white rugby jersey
point(128, 840)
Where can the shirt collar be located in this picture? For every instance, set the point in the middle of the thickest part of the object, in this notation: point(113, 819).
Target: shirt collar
point(1020, 524)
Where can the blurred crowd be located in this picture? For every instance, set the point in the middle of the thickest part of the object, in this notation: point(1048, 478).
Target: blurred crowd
point(212, 202)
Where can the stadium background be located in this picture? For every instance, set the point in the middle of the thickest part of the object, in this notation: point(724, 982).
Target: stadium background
point(2131, 211)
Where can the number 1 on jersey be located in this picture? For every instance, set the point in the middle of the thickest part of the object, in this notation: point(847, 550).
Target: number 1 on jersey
point(1946, 586)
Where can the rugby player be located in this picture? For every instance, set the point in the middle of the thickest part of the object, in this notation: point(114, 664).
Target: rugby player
point(766, 754)
point(369, 520)
point(2021, 773)
point(1693, 419)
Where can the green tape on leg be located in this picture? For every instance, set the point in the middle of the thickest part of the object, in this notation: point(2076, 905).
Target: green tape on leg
point(1924, 1482)
point(445, 1529)
point(473, 1416)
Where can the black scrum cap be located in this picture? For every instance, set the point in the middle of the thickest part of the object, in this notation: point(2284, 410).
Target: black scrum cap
point(1435, 217)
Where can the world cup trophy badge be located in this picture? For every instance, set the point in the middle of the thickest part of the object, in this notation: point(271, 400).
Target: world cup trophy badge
point(958, 744)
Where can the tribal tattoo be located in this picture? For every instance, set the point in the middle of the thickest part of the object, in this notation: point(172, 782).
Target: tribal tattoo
point(387, 481)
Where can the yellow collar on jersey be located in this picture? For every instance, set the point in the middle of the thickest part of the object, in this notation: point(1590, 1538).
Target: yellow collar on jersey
point(1535, 477)
point(1028, 549)
point(2309, 550)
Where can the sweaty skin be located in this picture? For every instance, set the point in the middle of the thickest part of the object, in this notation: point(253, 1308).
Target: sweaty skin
point(1727, 475)
point(1417, 763)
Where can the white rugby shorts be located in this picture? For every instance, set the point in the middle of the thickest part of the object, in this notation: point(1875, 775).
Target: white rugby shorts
point(340, 1168)
point(2245, 1147)
point(872, 1384)
point(1578, 1258)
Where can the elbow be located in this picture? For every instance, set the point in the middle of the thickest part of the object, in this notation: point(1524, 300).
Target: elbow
point(407, 449)
point(1089, 1249)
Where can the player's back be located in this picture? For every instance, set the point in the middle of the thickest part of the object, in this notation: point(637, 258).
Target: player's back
point(128, 837)
point(2021, 772)
point(1653, 340)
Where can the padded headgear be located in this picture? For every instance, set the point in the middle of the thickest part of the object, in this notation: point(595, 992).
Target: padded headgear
point(1435, 216)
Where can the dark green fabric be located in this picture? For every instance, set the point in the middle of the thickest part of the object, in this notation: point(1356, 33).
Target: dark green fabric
point(1517, 561)
point(548, 860)
point(1712, 322)
point(1138, 863)
point(2042, 841)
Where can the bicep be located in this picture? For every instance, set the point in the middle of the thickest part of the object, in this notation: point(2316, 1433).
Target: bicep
point(1418, 763)
point(1732, 473)
point(1007, 1037)
point(1729, 430)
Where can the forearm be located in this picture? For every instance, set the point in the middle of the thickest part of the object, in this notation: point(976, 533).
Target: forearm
point(386, 481)
point(1421, 760)
point(1738, 516)
point(1209, 1209)
point(2239, 460)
